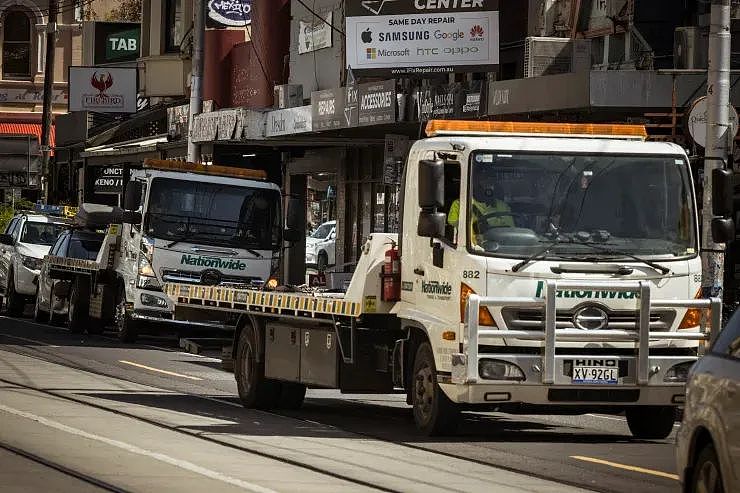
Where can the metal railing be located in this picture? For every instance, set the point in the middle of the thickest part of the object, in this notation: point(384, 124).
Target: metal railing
point(551, 334)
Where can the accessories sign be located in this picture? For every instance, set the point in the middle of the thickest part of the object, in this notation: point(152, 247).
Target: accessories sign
point(102, 89)
point(422, 37)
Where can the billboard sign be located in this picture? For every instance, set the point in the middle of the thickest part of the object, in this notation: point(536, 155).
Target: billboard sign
point(422, 37)
point(103, 89)
point(228, 13)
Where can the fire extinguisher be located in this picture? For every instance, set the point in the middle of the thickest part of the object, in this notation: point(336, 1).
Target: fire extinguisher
point(391, 275)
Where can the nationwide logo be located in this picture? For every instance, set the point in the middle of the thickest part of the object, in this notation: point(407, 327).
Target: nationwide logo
point(102, 82)
point(476, 33)
point(435, 287)
point(599, 295)
point(213, 262)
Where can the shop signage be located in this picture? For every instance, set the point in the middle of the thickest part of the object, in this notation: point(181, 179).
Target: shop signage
point(422, 37)
point(14, 179)
point(697, 121)
point(327, 109)
point(102, 89)
point(289, 121)
point(30, 95)
point(229, 13)
point(449, 101)
point(229, 124)
point(377, 103)
point(177, 121)
point(315, 35)
point(109, 180)
point(115, 42)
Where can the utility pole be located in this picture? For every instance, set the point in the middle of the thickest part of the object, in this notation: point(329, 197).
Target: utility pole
point(51, 43)
point(196, 77)
point(718, 140)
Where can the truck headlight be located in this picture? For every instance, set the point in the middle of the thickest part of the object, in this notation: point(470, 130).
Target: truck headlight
point(678, 373)
point(147, 248)
point(151, 300)
point(32, 263)
point(496, 369)
point(146, 278)
point(145, 268)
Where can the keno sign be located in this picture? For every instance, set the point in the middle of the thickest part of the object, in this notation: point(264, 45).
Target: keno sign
point(102, 89)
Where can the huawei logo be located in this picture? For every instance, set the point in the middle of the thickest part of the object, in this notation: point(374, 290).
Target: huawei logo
point(102, 82)
point(476, 33)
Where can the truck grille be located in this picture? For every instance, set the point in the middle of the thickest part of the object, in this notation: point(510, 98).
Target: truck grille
point(521, 319)
point(191, 277)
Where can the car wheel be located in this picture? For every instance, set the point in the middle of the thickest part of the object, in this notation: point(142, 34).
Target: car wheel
point(707, 476)
point(15, 303)
point(255, 391)
point(434, 412)
point(128, 330)
point(651, 422)
point(322, 261)
point(79, 306)
point(39, 315)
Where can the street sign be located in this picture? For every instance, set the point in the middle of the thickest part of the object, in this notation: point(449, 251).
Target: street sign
point(697, 121)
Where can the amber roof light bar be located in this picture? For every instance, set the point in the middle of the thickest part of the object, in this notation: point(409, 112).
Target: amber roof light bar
point(436, 128)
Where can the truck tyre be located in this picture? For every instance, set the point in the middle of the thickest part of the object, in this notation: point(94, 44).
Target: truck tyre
point(322, 261)
point(291, 395)
point(651, 422)
point(255, 391)
point(434, 412)
point(706, 474)
point(79, 306)
point(126, 326)
point(39, 315)
point(14, 302)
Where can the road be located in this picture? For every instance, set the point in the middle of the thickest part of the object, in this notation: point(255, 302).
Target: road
point(150, 402)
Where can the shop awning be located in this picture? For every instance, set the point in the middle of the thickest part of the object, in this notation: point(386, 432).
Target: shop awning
point(26, 129)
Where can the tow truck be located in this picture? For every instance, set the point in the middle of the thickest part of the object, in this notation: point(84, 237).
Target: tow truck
point(540, 268)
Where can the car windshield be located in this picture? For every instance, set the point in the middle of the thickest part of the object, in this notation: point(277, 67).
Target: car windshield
point(322, 231)
point(637, 204)
point(37, 233)
point(214, 214)
point(85, 247)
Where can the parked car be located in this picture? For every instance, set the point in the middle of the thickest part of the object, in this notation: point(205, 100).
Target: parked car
point(320, 246)
point(55, 296)
point(23, 245)
point(708, 442)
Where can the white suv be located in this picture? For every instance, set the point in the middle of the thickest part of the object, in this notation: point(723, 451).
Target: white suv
point(320, 246)
point(26, 241)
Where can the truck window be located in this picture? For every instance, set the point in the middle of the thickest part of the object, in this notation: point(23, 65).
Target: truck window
point(452, 198)
point(636, 204)
point(214, 214)
point(84, 247)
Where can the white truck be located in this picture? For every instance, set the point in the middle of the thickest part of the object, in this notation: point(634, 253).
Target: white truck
point(192, 224)
point(540, 268)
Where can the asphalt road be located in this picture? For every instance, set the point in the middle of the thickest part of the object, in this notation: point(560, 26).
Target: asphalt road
point(590, 451)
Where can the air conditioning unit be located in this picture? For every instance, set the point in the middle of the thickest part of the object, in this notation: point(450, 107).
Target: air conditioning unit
point(288, 96)
point(690, 47)
point(547, 56)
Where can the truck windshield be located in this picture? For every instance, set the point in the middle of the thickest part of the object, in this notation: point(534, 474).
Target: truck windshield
point(85, 246)
point(636, 204)
point(214, 214)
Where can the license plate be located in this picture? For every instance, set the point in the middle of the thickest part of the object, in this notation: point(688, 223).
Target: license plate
point(607, 372)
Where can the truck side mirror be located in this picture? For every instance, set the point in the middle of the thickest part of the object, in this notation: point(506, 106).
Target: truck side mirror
point(722, 192)
point(294, 221)
point(132, 198)
point(6, 240)
point(431, 222)
point(723, 230)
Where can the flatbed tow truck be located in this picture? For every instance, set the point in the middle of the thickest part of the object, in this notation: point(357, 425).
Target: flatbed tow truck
point(569, 285)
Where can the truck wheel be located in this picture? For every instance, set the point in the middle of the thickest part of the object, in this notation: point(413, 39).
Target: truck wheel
point(39, 315)
point(79, 305)
point(14, 302)
point(651, 422)
point(706, 475)
point(322, 261)
point(127, 327)
point(434, 412)
point(255, 391)
point(291, 395)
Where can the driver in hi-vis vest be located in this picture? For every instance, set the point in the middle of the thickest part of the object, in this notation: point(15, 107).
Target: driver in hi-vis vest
point(484, 209)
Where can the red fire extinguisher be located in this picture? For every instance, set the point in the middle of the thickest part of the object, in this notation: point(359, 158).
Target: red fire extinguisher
point(391, 275)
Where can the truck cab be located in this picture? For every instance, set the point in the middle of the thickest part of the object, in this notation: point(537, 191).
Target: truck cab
point(201, 225)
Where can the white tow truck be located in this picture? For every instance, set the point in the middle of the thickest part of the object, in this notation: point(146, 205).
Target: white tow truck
point(540, 268)
point(182, 222)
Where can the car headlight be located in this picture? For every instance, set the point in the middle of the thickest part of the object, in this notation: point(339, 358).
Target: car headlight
point(32, 263)
point(678, 373)
point(496, 369)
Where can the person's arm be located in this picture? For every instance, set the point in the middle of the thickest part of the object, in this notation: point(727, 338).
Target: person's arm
point(506, 220)
point(454, 215)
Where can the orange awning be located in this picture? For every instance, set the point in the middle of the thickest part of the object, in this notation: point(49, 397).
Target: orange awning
point(26, 129)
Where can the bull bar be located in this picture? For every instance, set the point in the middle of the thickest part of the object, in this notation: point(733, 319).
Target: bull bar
point(465, 365)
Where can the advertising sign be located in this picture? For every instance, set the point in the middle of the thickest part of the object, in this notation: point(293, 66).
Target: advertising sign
point(102, 89)
point(289, 121)
point(422, 37)
point(327, 108)
point(31, 95)
point(109, 180)
point(20, 161)
point(116, 42)
point(228, 13)
point(316, 35)
point(448, 101)
point(377, 103)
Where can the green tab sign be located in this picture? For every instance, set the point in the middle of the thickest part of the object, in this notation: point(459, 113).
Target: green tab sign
point(122, 45)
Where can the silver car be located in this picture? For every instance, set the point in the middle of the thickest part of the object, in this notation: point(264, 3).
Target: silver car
point(708, 442)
